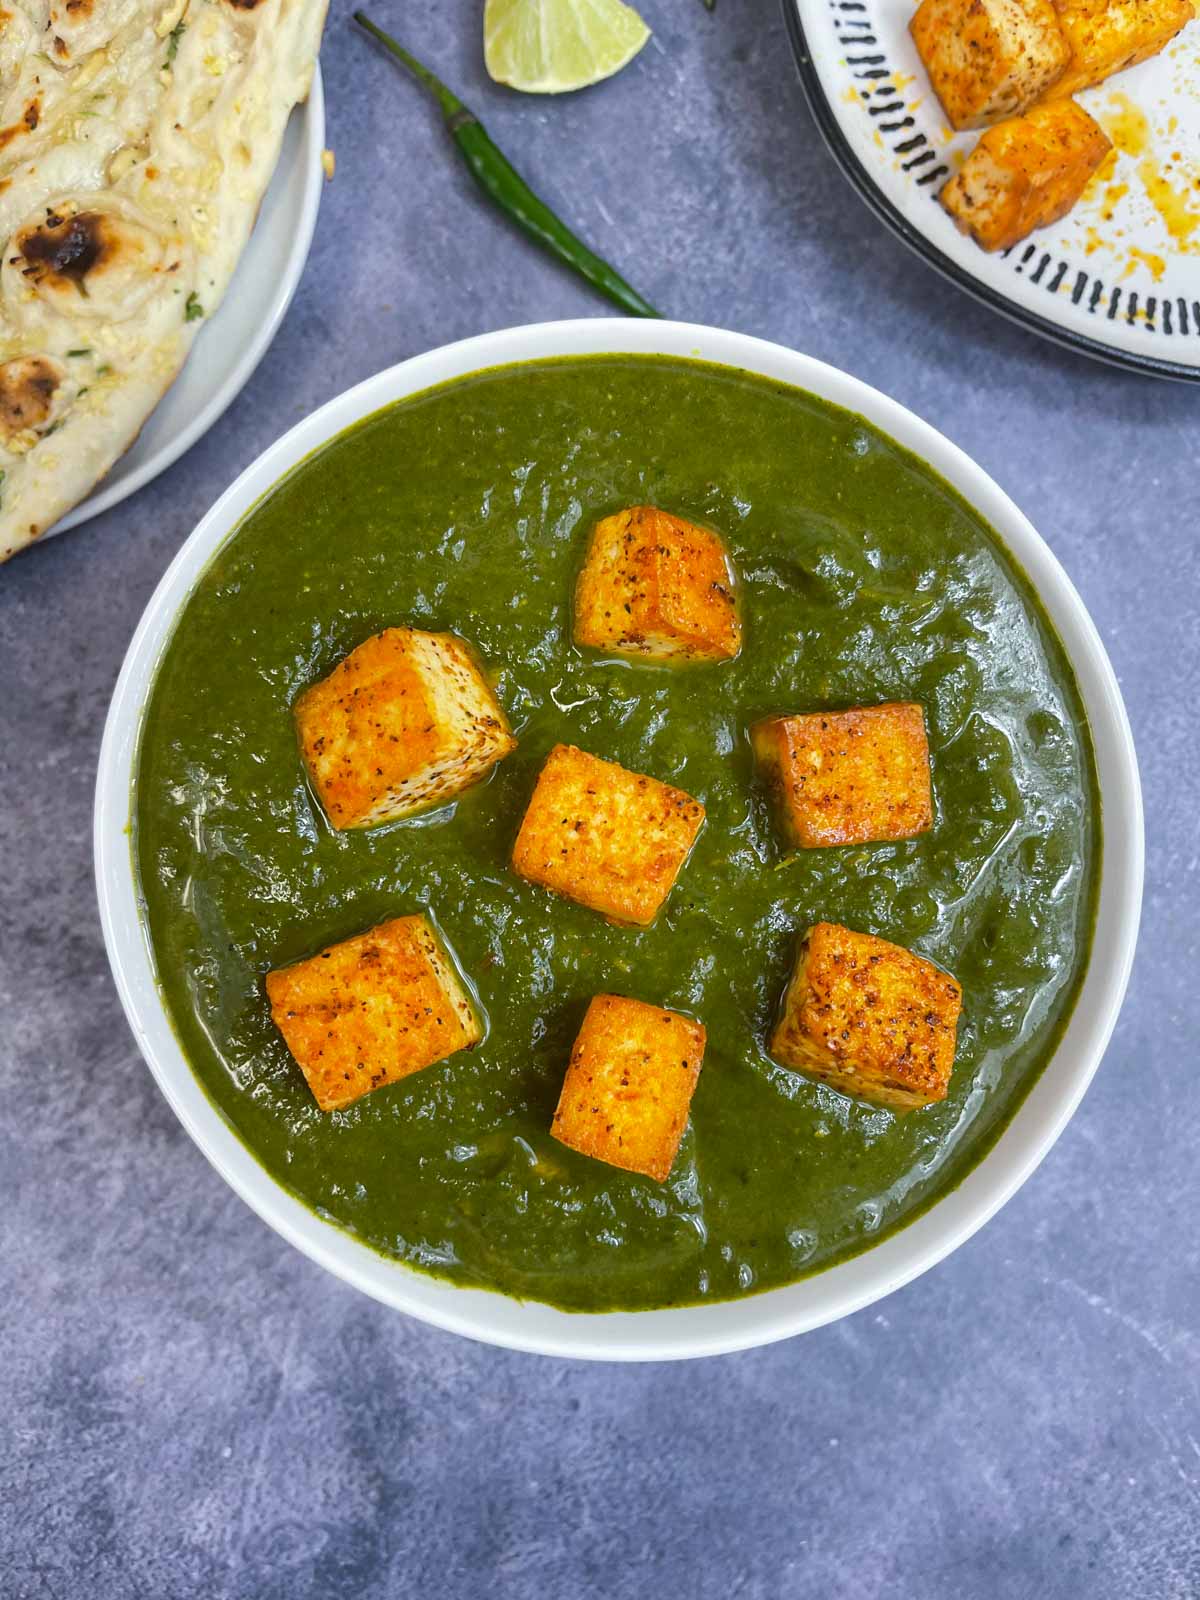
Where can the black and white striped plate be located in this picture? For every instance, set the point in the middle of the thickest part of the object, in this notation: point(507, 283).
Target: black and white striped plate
point(1118, 278)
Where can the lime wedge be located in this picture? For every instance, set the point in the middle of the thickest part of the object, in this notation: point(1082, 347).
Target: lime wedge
point(550, 46)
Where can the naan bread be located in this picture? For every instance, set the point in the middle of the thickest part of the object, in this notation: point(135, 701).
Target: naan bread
point(137, 138)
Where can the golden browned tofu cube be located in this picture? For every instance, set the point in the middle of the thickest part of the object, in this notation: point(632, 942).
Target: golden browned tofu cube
point(1025, 173)
point(609, 838)
point(988, 59)
point(1106, 36)
point(372, 1010)
point(626, 1094)
point(869, 1018)
point(656, 587)
point(405, 722)
point(847, 777)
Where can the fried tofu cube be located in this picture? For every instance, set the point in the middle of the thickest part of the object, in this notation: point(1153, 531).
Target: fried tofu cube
point(847, 777)
point(372, 1010)
point(869, 1018)
point(626, 1094)
point(1106, 36)
point(656, 587)
point(1025, 173)
point(611, 839)
point(405, 722)
point(988, 59)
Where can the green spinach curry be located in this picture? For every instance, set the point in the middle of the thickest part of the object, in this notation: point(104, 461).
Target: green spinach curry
point(863, 578)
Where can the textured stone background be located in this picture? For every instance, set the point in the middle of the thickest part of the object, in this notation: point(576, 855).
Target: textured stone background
point(189, 1407)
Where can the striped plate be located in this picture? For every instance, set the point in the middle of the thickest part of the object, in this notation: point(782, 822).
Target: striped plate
point(1118, 278)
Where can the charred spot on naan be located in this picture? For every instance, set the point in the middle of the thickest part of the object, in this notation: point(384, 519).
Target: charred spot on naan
point(84, 26)
point(97, 259)
point(31, 389)
point(66, 248)
point(27, 123)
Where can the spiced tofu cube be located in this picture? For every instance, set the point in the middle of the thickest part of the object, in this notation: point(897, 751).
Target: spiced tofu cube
point(658, 588)
point(372, 1010)
point(988, 59)
point(626, 1094)
point(869, 1018)
point(1025, 174)
point(405, 722)
point(847, 777)
point(1106, 36)
point(606, 837)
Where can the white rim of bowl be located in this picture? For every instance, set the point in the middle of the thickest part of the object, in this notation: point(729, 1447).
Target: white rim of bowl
point(111, 493)
point(686, 1331)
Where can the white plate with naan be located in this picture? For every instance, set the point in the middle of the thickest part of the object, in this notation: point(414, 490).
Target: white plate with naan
point(139, 143)
point(229, 349)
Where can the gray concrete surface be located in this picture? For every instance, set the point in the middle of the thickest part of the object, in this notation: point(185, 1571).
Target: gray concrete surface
point(188, 1407)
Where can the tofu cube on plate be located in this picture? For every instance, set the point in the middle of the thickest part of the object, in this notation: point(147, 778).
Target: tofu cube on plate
point(372, 1010)
point(405, 722)
point(1025, 173)
point(847, 777)
point(988, 59)
point(869, 1018)
point(611, 839)
point(656, 587)
point(1106, 36)
point(626, 1094)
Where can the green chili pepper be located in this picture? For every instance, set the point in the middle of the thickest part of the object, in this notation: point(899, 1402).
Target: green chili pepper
point(505, 187)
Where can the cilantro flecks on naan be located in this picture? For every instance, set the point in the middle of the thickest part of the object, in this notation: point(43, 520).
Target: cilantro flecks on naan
point(136, 142)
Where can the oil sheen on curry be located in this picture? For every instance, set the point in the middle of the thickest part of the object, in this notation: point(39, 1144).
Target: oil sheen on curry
point(616, 831)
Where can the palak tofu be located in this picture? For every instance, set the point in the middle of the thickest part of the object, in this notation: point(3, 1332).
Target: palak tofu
point(608, 838)
point(407, 721)
point(629, 1085)
point(869, 1019)
point(988, 59)
point(656, 587)
point(1025, 173)
point(372, 1010)
point(847, 777)
point(1106, 36)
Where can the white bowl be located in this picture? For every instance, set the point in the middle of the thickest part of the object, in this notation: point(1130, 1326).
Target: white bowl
point(686, 1331)
point(239, 333)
